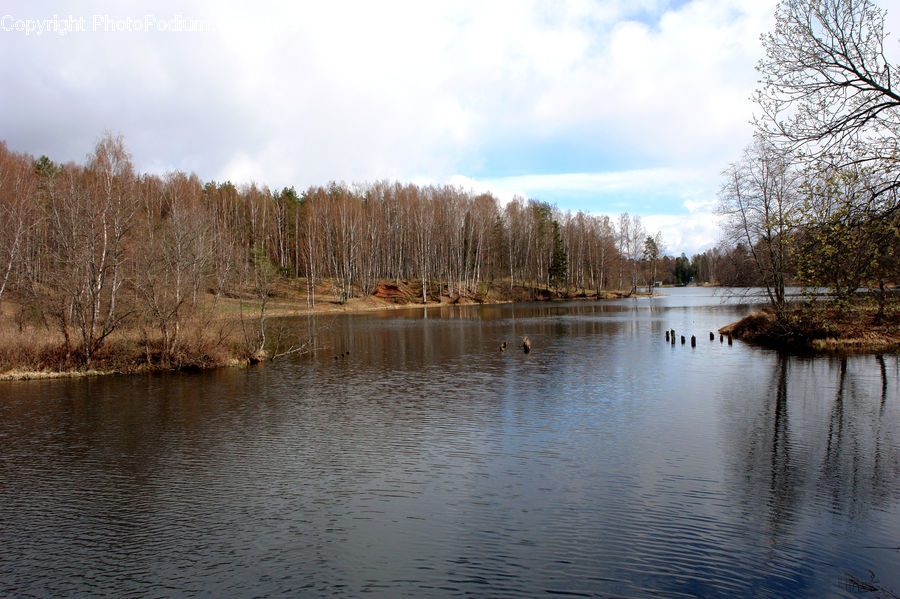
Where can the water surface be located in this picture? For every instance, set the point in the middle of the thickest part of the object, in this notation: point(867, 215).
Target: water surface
point(408, 456)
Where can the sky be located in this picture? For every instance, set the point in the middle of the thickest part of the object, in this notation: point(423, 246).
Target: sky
point(603, 106)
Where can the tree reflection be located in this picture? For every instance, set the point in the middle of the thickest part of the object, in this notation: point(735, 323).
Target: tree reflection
point(884, 382)
point(782, 494)
point(836, 425)
point(860, 465)
point(794, 444)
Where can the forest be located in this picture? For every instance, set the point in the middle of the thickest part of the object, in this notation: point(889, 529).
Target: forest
point(90, 250)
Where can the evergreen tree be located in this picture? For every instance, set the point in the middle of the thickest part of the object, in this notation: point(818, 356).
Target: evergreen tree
point(559, 263)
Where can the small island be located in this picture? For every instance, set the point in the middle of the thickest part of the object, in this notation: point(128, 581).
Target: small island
point(856, 327)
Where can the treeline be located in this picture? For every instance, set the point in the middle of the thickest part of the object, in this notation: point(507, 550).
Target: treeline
point(724, 265)
point(86, 249)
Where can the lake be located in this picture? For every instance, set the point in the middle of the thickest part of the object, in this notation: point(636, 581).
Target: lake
point(407, 456)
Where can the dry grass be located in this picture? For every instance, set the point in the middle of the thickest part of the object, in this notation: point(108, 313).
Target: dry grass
point(35, 352)
point(749, 327)
point(849, 326)
point(30, 349)
point(28, 375)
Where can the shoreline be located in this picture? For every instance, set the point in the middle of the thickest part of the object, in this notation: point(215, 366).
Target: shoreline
point(289, 304)
point(361, 305)
point(819, 329)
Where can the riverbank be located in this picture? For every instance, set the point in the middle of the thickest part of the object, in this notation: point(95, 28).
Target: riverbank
point(289, 300)
point(846, 327)
point(36, 352)
point(224, 332)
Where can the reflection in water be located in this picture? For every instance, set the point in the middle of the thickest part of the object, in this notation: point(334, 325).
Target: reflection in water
point(861, 462)
point(830, 453)
point(835, 444)
point(781, 489)
point(607, 462)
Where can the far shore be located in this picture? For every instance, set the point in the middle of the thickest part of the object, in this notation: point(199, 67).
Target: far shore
point(374, 303)
point(219, 337)
point(128, 354)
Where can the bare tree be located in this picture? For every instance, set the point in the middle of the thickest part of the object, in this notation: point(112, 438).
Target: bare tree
point(17, 205)
point(631, 244)
point(171, 260)
point(828, 92)
point(90, 212)
point(760, 205)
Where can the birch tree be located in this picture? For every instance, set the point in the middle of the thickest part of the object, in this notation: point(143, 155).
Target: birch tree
point(759, 204)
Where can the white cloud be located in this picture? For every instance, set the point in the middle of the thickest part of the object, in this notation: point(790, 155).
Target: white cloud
point(699, 206)
point(691, 229)
point(633, 180)
point(689, 234)
point(303, 93)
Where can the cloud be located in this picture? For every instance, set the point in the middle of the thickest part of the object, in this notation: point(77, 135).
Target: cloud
point(303, 93)
point(689, 234)
point(667, 190)
point(700, 206)
point(680, 203)
point(608, 182)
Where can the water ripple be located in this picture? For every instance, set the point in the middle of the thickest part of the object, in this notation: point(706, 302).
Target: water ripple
point(606, 463)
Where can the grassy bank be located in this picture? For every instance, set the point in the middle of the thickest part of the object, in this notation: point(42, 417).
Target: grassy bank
point(850, 326)
point(218, 332)
point(33, 351)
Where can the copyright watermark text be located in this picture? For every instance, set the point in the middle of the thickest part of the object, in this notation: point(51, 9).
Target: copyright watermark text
point(63, 25)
